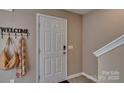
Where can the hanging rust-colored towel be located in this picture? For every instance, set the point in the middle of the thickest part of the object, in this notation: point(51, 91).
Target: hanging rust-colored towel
point(21, 68)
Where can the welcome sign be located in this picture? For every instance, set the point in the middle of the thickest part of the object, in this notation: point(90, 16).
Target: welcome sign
point(13, 30)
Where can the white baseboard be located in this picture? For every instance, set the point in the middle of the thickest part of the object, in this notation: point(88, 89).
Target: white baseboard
point(84, 74)
point(74, 75)
point(89, 77)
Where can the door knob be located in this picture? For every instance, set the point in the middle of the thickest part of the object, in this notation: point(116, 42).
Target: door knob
point(64, 47)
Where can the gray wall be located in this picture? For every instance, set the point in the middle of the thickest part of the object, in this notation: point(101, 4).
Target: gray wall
point(99, 28)
point(27, 19)
point(111, 66)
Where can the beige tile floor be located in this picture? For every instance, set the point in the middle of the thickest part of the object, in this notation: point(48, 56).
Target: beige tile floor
point(81, 79)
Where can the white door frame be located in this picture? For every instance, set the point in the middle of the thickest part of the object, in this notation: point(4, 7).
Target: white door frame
point(38, 49)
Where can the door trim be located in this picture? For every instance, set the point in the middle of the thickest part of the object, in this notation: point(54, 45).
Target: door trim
point(38, 43)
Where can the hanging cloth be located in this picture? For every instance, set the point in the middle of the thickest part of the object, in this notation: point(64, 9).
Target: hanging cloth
point(21, 68)
point(8, 61)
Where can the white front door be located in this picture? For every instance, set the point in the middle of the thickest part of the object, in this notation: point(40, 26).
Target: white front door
point(53, 49)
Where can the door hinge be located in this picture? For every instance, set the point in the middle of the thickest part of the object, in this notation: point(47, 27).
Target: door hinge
point(39, 25)
point(39, 77)
point(39, 51)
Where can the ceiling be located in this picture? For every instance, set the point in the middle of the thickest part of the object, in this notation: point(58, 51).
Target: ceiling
point(80, 11)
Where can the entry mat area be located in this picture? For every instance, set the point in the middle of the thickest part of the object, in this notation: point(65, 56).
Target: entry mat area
point(66, 81)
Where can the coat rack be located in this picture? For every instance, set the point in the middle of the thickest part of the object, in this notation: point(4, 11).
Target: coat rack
point(15, 31)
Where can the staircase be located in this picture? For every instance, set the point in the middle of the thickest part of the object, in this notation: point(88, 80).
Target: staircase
point(111, 61)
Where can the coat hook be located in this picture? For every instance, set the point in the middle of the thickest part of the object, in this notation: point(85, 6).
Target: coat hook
point(15, 35)
point(21, 35)
point(27, 34)
point(9, 35)
point(1, 34)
